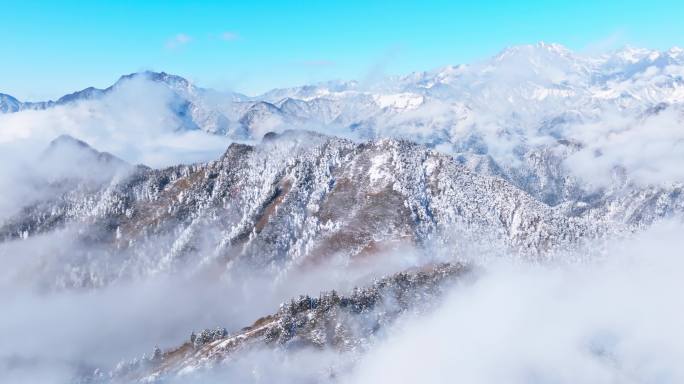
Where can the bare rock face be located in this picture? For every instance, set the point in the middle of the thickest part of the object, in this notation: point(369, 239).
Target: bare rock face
point(295, 199)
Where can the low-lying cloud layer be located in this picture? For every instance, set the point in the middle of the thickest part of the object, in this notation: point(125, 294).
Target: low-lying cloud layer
point(649, 149)
point(607, 321)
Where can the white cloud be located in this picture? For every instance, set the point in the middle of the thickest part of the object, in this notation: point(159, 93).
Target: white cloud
point(612, 41)
point(229, 36)
point(649, 149)
point(600, 322)
point(135, 122)
point(178, 41)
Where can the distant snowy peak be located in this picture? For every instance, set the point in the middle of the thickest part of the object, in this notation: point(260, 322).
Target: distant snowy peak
point(540, 62)
point(537, 51)
point(173, 81)
point(428, 79)
point(85, 94)
point(309, 92)
point(9, 104)
point(631, 55)
point(195, 107)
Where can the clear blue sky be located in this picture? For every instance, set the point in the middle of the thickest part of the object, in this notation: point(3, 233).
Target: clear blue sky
point(49, 48)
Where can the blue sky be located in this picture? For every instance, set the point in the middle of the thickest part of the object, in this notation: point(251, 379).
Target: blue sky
point(54, 47)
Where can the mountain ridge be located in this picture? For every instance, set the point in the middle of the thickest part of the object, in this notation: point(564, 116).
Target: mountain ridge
point(293, 200)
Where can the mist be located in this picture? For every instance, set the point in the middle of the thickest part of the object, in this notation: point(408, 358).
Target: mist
point(135, 121)
point(606, 321)
point(56, 332)
point(582, 319)
point(612, 318)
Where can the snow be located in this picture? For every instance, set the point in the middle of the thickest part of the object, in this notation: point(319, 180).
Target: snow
point(403, 100)
point(378, 169)
point(521, 86)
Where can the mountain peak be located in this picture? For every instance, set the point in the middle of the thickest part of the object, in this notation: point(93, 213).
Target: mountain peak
point(66, 139)
point(552, 47)
point(540, 48)
point(87, 93)
point(631, 54)
point(67, 146)
point(162, 77)
point(9, 103)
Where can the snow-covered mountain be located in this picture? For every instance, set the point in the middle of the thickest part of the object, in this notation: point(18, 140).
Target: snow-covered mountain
point(523, 85)
point(293, 200)
point(299, 199)
point(526, 100)
point(346, 323)
point(196, 107)
point(537, 153)
point(9, 104)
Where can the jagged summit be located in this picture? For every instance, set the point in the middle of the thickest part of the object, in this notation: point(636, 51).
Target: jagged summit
point(172, 81)
point(156, 76)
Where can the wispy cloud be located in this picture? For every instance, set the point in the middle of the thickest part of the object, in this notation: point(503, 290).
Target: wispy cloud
point(229, 36)
point(178, 40)
point(614, 40)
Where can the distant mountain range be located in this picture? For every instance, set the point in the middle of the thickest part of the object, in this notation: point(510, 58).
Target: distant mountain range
point(513, 116)
point(531, 85)
point(441, 162)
